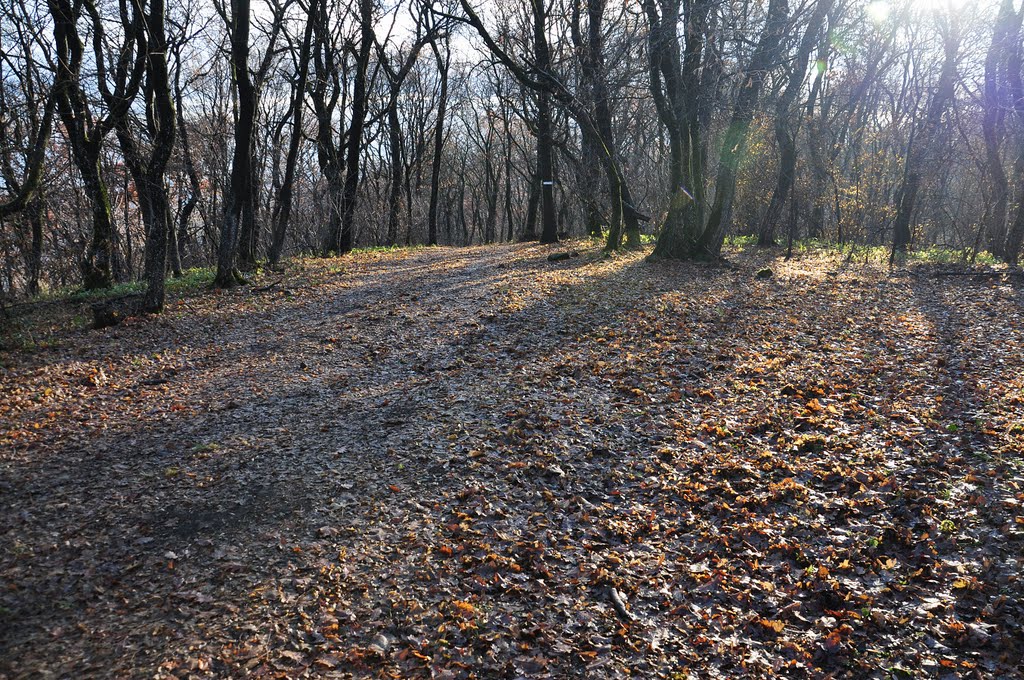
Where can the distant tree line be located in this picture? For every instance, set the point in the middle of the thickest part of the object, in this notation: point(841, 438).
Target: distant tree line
point(139, 139)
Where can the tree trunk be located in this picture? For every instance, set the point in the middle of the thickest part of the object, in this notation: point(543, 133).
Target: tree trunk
point(491, 189)
point(96, 264)
point(239, 192)
point(339, 239)
point(248, 234)
point(188, 207)
point(1015, 235)
point(27, 190)
point(995, 105)
point(173, 252)
point(917, 155)
point(152, 190)
point(599, 143)
point(435, 164)
point(283, 207)
point(678, 91)
point(530, 230)
point(547, 86)
point(36, 214)
point(765, 56)
point(509, 145)
point(589, 182)
point(85, 132)
point(249, 229)
point(545, 141)
point(395, 184)
point(786, 128)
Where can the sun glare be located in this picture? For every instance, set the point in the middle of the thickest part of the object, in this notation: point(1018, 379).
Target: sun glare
point(879, 11)
point(942, 5)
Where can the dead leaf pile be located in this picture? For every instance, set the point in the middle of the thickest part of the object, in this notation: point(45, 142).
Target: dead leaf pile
point(477, 463)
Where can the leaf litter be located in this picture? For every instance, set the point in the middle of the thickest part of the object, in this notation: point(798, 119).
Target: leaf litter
point(478, 463)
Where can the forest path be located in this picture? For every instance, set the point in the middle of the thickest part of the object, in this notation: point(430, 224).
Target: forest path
point(419, 462)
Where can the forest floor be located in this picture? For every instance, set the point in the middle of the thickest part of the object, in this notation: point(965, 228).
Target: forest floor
point(478, 463)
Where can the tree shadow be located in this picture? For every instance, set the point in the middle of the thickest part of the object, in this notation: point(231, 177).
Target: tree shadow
point(600, 395)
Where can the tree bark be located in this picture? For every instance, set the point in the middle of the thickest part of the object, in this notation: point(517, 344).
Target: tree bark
point(339, 238)
point(599, 144)
point(992, 122)
point(190, 203)
point(765, 57)
point(395, 183)
point(786, 128)
point(36, 214)
point(1015, 81)
point(249, 231)
point(532, 202)
point(543, 82)
point(283, 207)
point(162, 119)
point(239, 192)
point(148, 173)
point(678, 92)
point(85, 131)
point(917, 155)
point(545, 142)
point(27, 190)
point(443, 65)
point(400, 175)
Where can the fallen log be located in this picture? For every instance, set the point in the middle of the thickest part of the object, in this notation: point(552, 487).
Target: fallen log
point(979, 274)
point(113, 311)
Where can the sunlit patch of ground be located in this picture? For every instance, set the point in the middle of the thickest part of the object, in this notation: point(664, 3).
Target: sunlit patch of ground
point(479, 463)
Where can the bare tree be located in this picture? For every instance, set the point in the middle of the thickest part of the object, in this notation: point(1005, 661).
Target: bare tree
point(339, 236)
point(283, 205)
point(239, 198)
point(443, 57)
point(920, 146)
point(787, 123)
point(996, 106)
point(147, 166)
point(86, 130)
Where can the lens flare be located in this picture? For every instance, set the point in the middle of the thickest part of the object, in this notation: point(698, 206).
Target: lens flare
point(878, 11)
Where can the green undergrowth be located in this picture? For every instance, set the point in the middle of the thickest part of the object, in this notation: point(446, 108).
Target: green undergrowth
point(390, 249)
point(192, 281)
point(37, 323)
point(933, 255)
point(368, 250)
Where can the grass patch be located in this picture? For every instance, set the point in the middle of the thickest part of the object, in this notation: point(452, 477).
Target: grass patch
point(82, 295)
point(388, 249)
point(877, 254)
point(940, 255)
point(38, 323)
point(191, 280)
point(741, 242)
